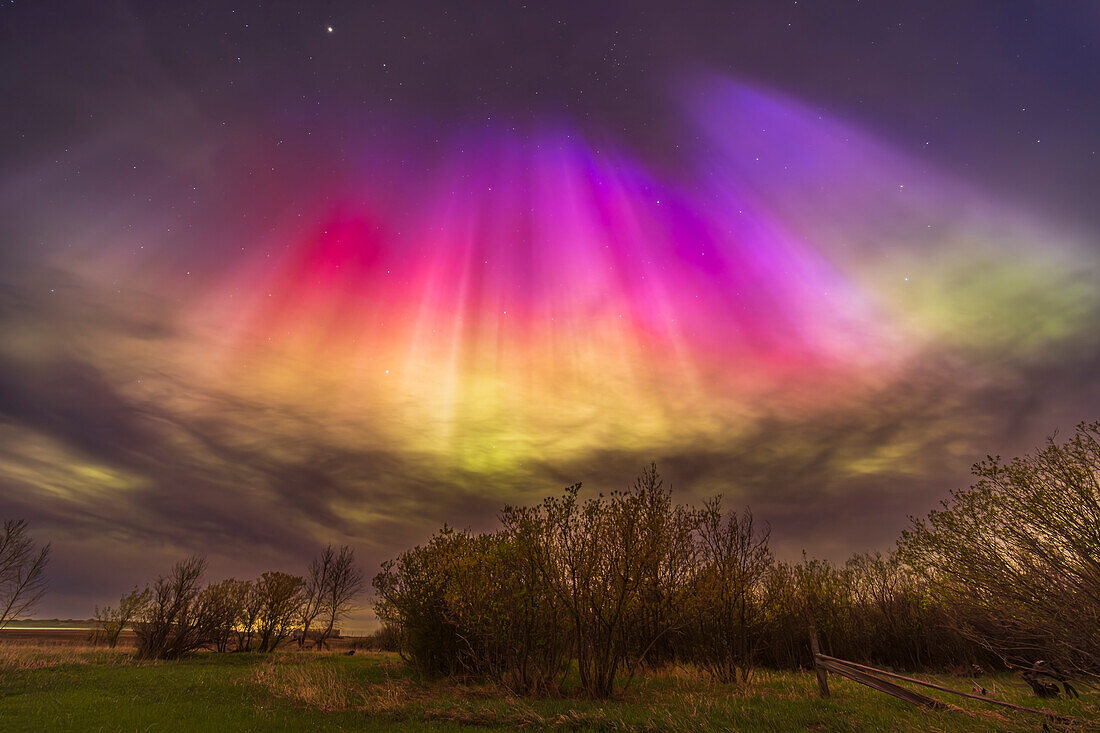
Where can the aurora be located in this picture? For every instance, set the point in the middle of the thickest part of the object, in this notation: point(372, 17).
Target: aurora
point(246, 327)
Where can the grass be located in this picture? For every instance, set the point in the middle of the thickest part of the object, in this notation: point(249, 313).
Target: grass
point(91, 689)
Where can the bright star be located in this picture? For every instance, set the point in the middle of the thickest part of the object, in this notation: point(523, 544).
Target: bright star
point(329, 28)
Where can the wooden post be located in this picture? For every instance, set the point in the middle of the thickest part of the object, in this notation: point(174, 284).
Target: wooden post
point(822, 675)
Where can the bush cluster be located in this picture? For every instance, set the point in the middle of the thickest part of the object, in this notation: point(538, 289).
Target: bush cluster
point(1015, 559)
point(613, 583)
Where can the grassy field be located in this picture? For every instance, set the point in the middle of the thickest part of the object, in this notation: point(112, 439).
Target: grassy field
point(66, 687)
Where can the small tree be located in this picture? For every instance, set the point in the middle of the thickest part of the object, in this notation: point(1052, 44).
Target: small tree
point(22, 571)
point(112, 621)
point(248, 615)
point(222, 604)
point(602, 559)
point(315, 589)
point(174, 622)
point(725, 612)
point(344, 583)
point(280, 602)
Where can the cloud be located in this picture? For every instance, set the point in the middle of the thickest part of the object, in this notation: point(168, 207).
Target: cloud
point(173, 383)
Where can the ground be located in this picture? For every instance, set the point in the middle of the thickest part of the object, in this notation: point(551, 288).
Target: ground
point(47, 687)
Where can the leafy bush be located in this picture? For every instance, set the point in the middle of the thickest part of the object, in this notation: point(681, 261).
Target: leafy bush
point(611, 583)
point(1016, 557)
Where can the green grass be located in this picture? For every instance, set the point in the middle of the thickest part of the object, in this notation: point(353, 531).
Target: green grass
point(43, 688)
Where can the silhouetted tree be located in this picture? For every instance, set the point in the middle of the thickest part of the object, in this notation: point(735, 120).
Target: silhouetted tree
point(174, 623)
point(344, 583)
point(222, 604)
point(613, 582)
point(280, 600)
point(22, 571)
point(314, 591)
point(114, 620)
point(248, 615)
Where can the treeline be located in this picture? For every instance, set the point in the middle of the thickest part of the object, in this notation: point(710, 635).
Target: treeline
point(177, 614)
point(1006, 573)
point(631, 580)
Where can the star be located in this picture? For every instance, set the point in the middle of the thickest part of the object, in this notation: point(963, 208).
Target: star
point(329, 28)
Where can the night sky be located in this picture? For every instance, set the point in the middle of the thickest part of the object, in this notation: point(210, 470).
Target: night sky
point(274, 275)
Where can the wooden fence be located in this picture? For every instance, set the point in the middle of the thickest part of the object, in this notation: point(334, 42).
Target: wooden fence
point(874, 678)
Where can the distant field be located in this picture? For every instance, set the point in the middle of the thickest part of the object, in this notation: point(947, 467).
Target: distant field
point(38, 625)
point(51, 633)
point(78, 688)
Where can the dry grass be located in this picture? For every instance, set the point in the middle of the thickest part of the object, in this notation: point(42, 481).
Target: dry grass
point(323, 688)
point(22, 657)
point(332, 689)
point(678, 699)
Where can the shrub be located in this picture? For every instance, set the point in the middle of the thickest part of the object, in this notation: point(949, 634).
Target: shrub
point(725, 611)
point(112, 621)
point(613, 564)
point(411, 600)
point(1016, 557)
point(174, 623)
point(279, 598)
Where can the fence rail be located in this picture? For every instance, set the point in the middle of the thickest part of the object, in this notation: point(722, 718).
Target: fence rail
point(872, 677)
